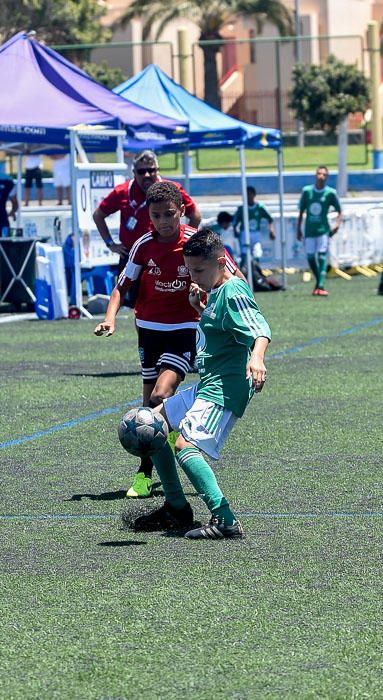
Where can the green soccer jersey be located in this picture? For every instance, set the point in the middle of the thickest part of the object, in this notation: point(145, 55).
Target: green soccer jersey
point(316, 203)
point(229, 326)
point(257, 212)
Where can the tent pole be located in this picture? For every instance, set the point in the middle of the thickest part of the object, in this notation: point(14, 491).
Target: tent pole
point(186, 169)
point(246, 227)
point(75, 227)
point(281, 217)
point(19, 192)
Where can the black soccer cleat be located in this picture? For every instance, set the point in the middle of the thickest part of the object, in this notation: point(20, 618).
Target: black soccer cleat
point(165, 518)
point(214, 530)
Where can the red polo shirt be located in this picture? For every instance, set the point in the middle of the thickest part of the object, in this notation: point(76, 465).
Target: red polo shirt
point(130, 200)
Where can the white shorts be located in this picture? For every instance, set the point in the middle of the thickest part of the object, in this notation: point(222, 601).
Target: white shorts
point(203, 423)
point(61, 172)
point(319, 244)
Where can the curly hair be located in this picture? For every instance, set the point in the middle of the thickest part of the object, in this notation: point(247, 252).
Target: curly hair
point(164, 192)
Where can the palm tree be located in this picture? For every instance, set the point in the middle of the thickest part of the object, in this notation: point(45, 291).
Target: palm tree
point(210, 16)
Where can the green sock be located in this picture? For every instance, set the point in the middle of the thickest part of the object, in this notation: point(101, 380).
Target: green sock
point(322, 260)
point(201, 475)
point(165, 463)
point(312, 261)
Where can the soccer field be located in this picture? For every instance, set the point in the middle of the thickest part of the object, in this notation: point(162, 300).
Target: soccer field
point(94, 612)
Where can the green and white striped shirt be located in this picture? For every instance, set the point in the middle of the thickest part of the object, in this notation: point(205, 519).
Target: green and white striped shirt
point(229, 326)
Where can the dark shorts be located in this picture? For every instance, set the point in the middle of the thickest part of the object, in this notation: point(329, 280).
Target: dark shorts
point(173, 350)
point(33, 174)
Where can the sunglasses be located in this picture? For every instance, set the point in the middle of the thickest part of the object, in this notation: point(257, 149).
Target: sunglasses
point(143, 171)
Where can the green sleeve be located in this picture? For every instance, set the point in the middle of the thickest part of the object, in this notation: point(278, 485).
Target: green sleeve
point(244, 319)
point(302, 202)
point(336, 203)
point(265, 214)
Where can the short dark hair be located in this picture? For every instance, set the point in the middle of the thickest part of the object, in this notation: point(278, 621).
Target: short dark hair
point(322, 167)
point(164, 192)
point(252, 189)
point(204, 244)
point(224, 217)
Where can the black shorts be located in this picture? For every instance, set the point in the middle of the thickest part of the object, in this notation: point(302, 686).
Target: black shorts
point(33, 174)
point(158, 350)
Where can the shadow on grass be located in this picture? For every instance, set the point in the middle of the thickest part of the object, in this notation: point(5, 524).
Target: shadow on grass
point(113, 495)
point(121, 543)
point(104, 375)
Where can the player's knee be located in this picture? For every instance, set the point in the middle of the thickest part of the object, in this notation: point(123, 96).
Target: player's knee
point(180, 444)
point(158, 394)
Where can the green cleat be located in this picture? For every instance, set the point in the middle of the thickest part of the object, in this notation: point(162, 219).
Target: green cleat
point(141, 486)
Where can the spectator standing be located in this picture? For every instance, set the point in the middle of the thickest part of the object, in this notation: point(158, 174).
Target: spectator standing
point(130, 200)
point(33, 173)
point(61, 177)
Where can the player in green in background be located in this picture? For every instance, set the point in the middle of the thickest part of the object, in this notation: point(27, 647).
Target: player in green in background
point(233, 337)
point(257, 213)
point(316, 201)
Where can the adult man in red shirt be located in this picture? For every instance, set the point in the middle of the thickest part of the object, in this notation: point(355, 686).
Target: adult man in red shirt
point(130, 199)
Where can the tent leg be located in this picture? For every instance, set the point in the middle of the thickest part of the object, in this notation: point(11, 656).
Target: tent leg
point(281, 219)
point(246, 218)
point(19, 192)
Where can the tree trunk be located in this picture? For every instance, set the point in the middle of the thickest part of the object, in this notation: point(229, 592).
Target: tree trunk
point(211, 96)
point(342, 184)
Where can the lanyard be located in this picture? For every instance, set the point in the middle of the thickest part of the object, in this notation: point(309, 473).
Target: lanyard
point(133, 203)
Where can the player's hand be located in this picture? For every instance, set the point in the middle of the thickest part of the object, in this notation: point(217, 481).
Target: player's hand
point(119, 248)
point(272, 235)
point(197, 297)
point(107, 327)
point(334, 231)
point(299, 235)
point(257, 371)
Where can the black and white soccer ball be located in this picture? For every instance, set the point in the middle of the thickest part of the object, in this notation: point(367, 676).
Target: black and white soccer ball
point(142, 431)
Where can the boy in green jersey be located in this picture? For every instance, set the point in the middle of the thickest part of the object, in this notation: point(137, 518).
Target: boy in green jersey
point(257, 213)
point(233, 337)
point(316, 200)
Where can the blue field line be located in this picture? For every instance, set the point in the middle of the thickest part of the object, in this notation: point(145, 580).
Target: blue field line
point(259, 514)
point(69, 424)
point(323, 338)
point(136, 402)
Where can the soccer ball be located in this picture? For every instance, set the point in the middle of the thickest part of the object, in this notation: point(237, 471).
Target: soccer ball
point(142, 431)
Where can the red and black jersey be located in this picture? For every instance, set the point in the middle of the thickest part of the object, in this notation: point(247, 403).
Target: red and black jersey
point(130, 200)
point(163, 299)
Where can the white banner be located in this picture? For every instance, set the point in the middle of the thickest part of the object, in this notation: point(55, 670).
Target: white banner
point(92, 186)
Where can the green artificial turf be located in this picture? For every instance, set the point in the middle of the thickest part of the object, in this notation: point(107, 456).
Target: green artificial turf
point(91, 611)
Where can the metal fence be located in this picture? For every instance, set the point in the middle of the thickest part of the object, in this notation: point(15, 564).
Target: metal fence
point(254, 78)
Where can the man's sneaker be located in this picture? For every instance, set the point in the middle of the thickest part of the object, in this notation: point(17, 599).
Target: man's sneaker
point(215, 530)
point(165, 518)
point(315, 292)
point(321, 292)
point(141, 487)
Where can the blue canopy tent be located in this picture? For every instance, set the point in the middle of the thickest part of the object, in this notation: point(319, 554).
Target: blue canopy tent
point(208, 128)
point(42, 95)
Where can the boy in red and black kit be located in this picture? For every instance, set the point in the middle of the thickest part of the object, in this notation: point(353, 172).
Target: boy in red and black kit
point(166, 322)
